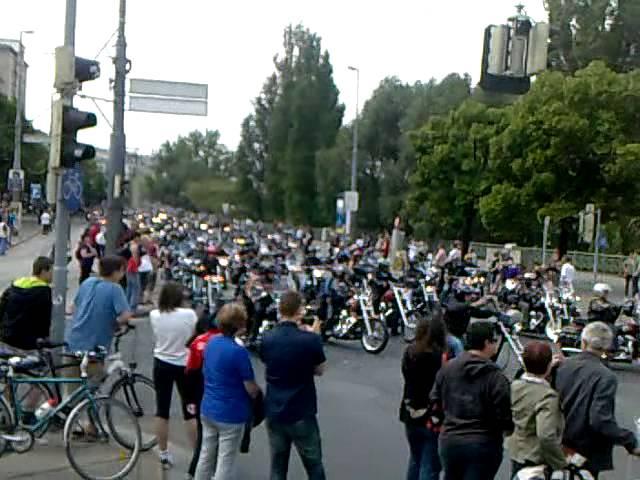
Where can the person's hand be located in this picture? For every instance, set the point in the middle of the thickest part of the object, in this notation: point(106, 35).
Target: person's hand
point(317, 325)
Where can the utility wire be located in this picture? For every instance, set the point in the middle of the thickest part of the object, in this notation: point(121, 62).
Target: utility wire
point(106, 44)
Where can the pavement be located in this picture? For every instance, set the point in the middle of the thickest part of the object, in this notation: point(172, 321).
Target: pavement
point(358, 397)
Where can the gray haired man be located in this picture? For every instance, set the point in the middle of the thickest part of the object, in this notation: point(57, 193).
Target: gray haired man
point(587, 390)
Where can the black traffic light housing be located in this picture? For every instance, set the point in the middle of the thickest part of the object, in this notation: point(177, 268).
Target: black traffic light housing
point(71, 151)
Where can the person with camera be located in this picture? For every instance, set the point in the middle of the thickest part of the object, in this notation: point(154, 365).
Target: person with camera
point(292, 353)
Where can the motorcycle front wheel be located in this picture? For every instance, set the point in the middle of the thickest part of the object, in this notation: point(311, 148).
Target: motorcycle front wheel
point(377, 341)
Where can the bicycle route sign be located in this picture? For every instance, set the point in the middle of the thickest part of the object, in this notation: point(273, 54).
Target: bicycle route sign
point(72, 189)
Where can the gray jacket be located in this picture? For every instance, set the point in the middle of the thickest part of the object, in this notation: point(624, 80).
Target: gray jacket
point(587, 392)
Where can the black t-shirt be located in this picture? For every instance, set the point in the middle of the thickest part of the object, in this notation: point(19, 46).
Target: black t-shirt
point(291, 357)
point(86, 263)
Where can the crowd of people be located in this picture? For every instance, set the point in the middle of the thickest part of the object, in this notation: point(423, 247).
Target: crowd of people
point(458, 411)
point(457, 406)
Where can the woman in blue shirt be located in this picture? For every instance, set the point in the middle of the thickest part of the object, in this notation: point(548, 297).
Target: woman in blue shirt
point(229, 386)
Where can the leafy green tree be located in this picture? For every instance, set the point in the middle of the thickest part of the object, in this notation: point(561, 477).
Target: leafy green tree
point(453, 171)
point(94, 183)
point(570, 141)
point(583, 31)
point(198, 157)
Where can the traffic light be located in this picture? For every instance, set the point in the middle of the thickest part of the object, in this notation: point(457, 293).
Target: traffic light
point(71, 151)
point(512, 54)
point(71, 72)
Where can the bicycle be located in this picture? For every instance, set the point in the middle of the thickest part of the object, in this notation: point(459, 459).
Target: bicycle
point(92, 417)
point(134, 389)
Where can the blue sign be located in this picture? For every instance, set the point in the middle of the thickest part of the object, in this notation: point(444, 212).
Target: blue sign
point(36, 191)
point(72, 189)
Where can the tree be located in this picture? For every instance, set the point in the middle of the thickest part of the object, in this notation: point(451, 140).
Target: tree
point(94, 183)
point(198, 157)
point(583, 31)
point(387, 158)
point(306, 117)
point(453, 171)
point(571, 140)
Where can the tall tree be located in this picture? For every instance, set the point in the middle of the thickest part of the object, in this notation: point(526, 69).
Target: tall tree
point(453, 171)
point(306, 118)
point(587, 30)
point(569, 141)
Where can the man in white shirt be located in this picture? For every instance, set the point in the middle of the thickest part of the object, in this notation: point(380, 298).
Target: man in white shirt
point(45, 221)
point(455, 255)
point(567, 273)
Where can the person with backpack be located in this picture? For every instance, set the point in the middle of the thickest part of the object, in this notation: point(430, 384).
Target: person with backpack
point(420, 363)
point(25, 307)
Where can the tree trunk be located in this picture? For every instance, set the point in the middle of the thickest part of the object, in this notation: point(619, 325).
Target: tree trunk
point(563, 241)
point(467, 229)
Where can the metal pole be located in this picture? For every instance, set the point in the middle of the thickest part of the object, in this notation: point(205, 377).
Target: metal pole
point(545, 234)
point(350, 219)
point(596, 246)
point(118, 149)
point(19, 98)
point(63, 223)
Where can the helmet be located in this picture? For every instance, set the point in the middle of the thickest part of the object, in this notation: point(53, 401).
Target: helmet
point(601, 289)
point(213, 250)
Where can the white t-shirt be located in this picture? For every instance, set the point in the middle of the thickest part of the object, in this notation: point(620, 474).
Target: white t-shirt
point(45, 219)
point(171, 331)
point(100, 239)
point(568, 274)
point(3, 230)
point(145, 264)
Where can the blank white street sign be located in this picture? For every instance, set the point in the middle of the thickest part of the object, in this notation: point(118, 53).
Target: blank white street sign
point(164, 88)
point(176, 106)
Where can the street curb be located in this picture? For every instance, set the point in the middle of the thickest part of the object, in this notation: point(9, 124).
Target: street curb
point(25, 239)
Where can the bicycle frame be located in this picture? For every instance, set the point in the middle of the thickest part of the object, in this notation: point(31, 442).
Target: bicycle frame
point(41, 426)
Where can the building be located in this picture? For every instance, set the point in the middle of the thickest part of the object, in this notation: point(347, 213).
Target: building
point(9, 73)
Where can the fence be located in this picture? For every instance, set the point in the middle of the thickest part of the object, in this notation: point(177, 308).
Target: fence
point(612, 264)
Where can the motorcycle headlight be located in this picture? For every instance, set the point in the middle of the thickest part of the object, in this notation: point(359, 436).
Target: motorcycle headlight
point(223, 261)
point(430, 289)
point(318, 273)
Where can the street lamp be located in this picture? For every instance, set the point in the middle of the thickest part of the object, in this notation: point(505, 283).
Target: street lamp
point(351, 215)
point(19, 98)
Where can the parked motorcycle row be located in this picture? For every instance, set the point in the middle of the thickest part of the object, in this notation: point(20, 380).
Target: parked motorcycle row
point(353, 291)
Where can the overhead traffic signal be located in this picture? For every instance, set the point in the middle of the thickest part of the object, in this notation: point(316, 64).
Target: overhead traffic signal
point(71, 72)
point(512, 54)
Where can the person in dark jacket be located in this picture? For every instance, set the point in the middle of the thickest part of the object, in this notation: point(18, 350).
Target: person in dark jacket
point(475, 397)
point(420, 364)
point(587, 392)
point(25, 307)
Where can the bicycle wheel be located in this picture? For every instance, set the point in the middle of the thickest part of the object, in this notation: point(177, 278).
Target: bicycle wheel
point(7, 422)
point(93, 450)
point(29, 397)
point(139, 394)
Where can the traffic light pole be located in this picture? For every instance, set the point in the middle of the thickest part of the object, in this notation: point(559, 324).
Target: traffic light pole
point(118, 149)
point(62, 224)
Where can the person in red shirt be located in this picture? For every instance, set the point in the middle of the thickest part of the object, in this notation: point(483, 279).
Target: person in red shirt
point(195, 385)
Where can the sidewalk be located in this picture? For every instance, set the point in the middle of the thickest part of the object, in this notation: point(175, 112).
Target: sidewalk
point(29, 230)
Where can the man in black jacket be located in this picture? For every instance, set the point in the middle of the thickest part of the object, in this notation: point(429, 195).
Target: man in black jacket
point(475, 397)
point(25, 307)
point(587, 391)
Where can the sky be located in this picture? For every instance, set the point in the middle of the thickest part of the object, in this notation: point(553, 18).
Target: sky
point(230, 46)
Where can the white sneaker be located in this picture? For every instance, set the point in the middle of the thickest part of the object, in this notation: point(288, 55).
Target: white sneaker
point(166, 460)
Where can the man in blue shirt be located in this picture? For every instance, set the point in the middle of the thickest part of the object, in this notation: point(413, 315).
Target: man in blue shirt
point(99, 308)
point(293, 355)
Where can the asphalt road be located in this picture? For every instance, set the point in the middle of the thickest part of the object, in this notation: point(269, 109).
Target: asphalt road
point(359, 398)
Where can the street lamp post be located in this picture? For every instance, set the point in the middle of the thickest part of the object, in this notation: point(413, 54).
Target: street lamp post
point(351, 215)
point(19, 98)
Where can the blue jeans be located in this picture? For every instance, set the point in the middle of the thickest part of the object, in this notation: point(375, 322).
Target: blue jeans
point(305, 435)
point(424, 462)
point(4, 244)
point(455, 345)
point(133, 289)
